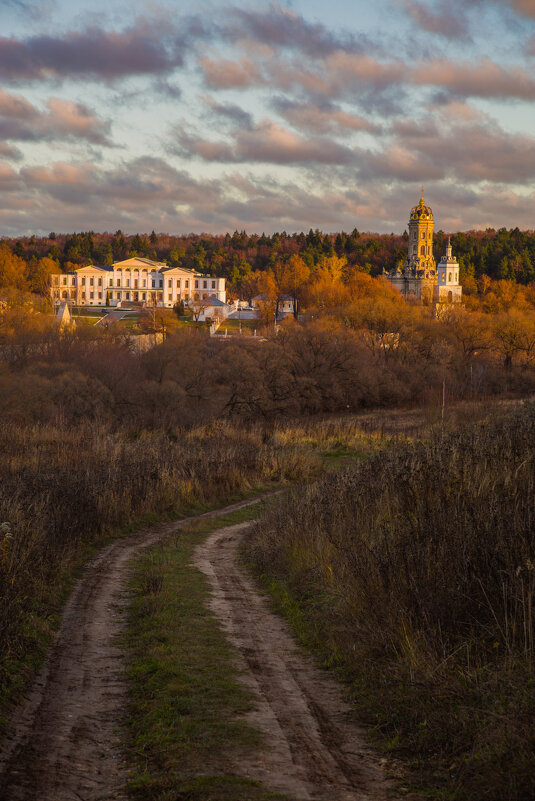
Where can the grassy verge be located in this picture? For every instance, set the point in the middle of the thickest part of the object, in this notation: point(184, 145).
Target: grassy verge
point(186, 724)
point(413, 575)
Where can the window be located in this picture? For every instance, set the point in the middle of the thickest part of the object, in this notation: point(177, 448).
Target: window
point(170, 283)
point(135, 283)
point(91, 282)
point(144, 282)
point(83, 280)
point(100, 295)
point(128, 282)
point(205, 284)
point(153, 284)
point(196, 284)
point(91, 295)
point(128, 295)
point(161, 282)
point(423, 234)
point(450, 277)
point(186, 284)
point(100, 281)
point(422, 250)
point(213, 284)
point(144, 296)
point(64, 281)
point(83, 295)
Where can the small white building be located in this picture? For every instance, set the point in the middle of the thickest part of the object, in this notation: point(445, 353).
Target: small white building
point(285, 305)
point(447, 288)
point(136, 281)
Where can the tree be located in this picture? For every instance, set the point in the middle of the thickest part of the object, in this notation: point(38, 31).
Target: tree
point(40, 275)
point(12, 269)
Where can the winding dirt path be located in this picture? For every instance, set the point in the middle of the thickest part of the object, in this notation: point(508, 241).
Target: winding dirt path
point(64, 741)
point(313, 751)
point(63, 744)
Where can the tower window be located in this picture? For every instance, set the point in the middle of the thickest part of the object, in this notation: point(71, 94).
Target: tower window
point(422, 250)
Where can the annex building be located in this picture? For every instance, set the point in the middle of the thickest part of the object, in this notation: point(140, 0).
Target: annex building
point(419, 276)
point(135, 281)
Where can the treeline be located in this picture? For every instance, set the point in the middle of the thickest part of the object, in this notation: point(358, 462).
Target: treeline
point(499, 254)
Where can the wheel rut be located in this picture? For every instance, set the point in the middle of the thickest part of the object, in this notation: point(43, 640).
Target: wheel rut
point(313, 751)
point(64, 741)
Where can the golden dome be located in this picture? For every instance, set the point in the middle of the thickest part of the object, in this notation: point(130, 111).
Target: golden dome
point(421, 211)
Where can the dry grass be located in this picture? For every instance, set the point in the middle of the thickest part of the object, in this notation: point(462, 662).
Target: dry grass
point(416, 573)
point(64, 490)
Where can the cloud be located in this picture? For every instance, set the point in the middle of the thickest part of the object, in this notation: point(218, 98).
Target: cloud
point(266, 142)
point(322, 119)
point(447, 20)
point(236, 115)
point(147, 193)
point(21, 121)
point(483, 79)
point(281, 27)
point(7, 151)
point(227, 74)
point(525, 8)
point(468, 151)
point(147, 47)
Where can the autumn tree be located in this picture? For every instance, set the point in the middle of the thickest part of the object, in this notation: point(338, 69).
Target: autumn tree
point(13, 270)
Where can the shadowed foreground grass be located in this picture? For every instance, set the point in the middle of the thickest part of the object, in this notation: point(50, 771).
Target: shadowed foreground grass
point(413, 573)
point(185, 726)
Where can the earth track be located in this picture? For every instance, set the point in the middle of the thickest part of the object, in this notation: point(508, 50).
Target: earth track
point(313, 751)
point(63, 744)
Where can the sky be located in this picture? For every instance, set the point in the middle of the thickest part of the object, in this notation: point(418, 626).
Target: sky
point(212, 116)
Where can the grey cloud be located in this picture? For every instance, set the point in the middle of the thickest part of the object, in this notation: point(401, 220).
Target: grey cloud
point(281, 27)
point(144, 48)
point(231, 112)
point(8, 151)
point(446, 19)
point(266, 142)
point(150, 193)
point(21, 121)
point(322, 118)
point(475, 152)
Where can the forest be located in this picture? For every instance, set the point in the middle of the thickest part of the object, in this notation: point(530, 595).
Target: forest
point(504, 254)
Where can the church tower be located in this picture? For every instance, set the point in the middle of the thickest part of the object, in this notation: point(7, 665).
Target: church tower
point(420, 256)
point(448, 289)
point(418, 275)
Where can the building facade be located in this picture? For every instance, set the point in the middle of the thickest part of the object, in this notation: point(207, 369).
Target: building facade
point(135, 281)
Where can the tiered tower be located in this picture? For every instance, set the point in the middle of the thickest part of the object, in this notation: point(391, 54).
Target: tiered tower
point(418, 275)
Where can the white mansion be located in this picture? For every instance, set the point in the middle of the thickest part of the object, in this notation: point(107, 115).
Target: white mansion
point(135, 281)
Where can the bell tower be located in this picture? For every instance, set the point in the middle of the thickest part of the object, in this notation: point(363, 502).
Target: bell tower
point(420, 259)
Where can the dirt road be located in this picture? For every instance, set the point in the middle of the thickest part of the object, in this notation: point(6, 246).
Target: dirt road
point(64, 743)
point(313, 751)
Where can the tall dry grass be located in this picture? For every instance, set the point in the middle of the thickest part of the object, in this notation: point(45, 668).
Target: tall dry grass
point(64, 489)
point(416, 572)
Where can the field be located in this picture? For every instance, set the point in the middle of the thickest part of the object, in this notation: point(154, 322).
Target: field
point(412, 575)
